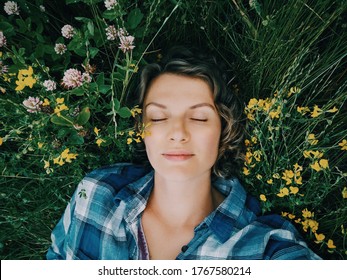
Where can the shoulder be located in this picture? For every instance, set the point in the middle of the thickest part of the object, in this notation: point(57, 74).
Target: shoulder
point(116, 176)
point(98, 189)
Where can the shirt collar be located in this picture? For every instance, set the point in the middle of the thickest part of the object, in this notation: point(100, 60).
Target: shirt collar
point(222, 221)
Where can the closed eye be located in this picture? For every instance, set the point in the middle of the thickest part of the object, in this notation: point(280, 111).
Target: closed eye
point(199, 120)
point(158, 120)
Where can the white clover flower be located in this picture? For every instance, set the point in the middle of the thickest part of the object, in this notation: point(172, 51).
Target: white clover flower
point(126, 43)
point(68, 31)
point(3, 68)
point(60, 48)
point(32, 104)
point(86, 78)
point(72, 78)
point(11, 8)
point(42, 8)
point(2, 39)
point(111, 33)
point(110, 4)
point(50, 85)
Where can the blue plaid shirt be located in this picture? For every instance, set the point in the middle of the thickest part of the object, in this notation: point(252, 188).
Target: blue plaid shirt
point(103, 221)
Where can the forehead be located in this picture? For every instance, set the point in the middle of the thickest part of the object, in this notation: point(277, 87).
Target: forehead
point(173, 88)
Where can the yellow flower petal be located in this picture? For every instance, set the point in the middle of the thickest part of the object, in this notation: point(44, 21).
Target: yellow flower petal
point(330, 244)
point(60, 100)
point(262, 197)
point(344, 192)
point(1, 141)
point(294, 190)
point(324, 163)
point(96, 131)
point(333, 110)
point(316, 166)
point(319, 237)
point(343, 144)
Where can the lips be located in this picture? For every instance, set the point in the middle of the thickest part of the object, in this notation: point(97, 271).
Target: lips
point(178, 155)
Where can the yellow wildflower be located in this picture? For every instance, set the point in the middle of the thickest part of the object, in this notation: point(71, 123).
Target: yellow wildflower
point(344, 192)
point(303, 110)
point(316, 166)
point(137, 140)
point(136, 110)
point(287, 176)
point(284, 214)
point(283, 192)
point(58, 160)
point(307, 154)
point(312, 139)
point(276, 113)
point(40, 145)
point(317, 154)
point(294, 190)
point(333, 110)
point(259, 177)
point(316, 112)
point(307, 214)
point(252, 103)
point(96, 131)
point(100, 141)
point(60, 100)
point(65, 155)
point(254, 140)
point(276, 176)
point(293, 90)
point(60, 108)
point(319, 237)
point(45, 102)
point(343, 144)
point(270, 181)
point(46, 164)
point(262, 197)
point(131, 133)
point(247, 143)
point(250, 116)
point(248, 157)
point(313, 225)
point(297, 167)
point(1, 141)
point(324, 163)
point(246, 171)
point(257, 155)
point(298, 180)
point(291, 216)
point(330, 244)
point(129, 141)
point(25, 79)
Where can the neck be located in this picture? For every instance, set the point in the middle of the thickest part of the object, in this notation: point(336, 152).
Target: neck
point(183, 202)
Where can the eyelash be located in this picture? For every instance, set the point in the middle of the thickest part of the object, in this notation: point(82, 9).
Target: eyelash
point(193, 119)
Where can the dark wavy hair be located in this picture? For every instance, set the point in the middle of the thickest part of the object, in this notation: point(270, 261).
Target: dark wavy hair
point(191, 63)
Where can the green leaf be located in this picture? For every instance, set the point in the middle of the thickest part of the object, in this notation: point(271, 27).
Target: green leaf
point(104, 89)
point(134, 18)
point(72, 1)
point(79, 91)
point(111, 15)
point(6, 27)
point(83, 116)
point(62, 120)
point(63, 132)
point(93, 52)
point(75, 139)
point(116, 104)
point(124, 112)
point(90, 27)
point(101, 79)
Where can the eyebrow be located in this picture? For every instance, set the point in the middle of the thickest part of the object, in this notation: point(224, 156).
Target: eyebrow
point(191, 107)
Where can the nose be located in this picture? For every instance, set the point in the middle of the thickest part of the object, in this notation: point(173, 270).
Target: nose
point(179, 132)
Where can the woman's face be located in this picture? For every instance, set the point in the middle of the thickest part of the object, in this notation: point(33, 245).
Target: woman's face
point(184, 129)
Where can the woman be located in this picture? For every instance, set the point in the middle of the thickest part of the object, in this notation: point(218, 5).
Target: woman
point(187, 203)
